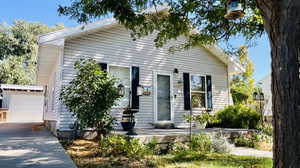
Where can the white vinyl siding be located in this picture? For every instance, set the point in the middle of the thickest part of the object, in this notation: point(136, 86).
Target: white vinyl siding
point(53, 103)
point(115, 46)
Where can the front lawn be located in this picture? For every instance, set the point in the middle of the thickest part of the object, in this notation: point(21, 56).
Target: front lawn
point(86, 154)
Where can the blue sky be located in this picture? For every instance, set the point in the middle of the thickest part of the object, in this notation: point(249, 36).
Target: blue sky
point(45, 11)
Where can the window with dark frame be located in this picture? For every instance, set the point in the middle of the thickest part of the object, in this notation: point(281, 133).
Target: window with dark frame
point(124, 78)
point(198, 91)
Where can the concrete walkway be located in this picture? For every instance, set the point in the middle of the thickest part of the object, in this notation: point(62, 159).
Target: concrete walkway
point(24, 147)
point(241, 151)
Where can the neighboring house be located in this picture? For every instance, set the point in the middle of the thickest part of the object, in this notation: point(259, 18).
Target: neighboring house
point(22, 103)
point(266, 89)
point(199, 75)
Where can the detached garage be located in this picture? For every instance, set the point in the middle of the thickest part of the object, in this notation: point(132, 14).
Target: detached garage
point(22, 103)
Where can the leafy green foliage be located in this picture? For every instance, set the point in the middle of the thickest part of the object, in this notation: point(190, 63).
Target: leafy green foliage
point(238, 116)
point(253, 140)
point(180, 18)
point(201, 143)
point(87, 154)
point(267, 129)
point(244, 141)
point(153, 146)
point(21, 38)
point(201, 118)
point(242, 85)
point(18, 50)
point(120, 145)
point(90, 96)
point(12, 71)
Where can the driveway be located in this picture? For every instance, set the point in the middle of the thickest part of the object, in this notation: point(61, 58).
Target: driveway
point(24, 147)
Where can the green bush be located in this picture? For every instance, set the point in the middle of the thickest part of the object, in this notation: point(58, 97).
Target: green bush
point(268, 129)
point(252, 140)
point(120, 145)
point(90, 96)
point(201, 118)
point(238, 116)
point(201, 143)
point(153, 146)
point(180, 148)
point(244, 141)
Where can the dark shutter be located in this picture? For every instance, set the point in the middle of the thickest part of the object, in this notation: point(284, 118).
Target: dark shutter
point(134, 84)
point(103, 66)
point(209, 92)
point(186, 91)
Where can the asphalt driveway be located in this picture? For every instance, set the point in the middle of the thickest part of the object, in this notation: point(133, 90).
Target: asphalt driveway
point(24, 147)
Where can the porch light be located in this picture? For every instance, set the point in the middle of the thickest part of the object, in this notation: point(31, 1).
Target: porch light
point(261, 97)
point(255, 97)
point(121, 90)
point(175, 71)
point(234, 10)
point(140, 90)
point(258, 96)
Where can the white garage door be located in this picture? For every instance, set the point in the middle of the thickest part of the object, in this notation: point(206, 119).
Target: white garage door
point(25, 108)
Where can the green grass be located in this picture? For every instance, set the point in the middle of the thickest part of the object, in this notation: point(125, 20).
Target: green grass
point(85, 155)
point(211, 160)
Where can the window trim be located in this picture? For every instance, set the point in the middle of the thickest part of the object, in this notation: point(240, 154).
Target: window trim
point(130, 78)
point(205, 91)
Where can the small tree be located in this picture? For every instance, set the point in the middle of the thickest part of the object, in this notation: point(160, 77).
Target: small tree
point(90, 96)
point(242, 84)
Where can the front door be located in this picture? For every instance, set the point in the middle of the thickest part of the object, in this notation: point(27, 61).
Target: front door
point(163, 96)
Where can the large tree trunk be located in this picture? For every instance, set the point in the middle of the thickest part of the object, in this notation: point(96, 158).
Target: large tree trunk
point(282, 23)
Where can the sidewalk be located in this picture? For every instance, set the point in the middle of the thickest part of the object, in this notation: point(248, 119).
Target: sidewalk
point(22, 147)
point(241, 151)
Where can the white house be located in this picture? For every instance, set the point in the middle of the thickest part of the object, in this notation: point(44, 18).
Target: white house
point(21, 103)
point(200, 75)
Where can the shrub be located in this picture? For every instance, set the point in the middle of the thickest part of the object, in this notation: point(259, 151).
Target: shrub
point(244, 141)
point(180, 148)
point(252, 140)
point(201, 143)
point(120, 145)
point(268, 129)
point(220, 144)
point(153, 147)
point(238, 116)
point(90, 96)
point(201, 118)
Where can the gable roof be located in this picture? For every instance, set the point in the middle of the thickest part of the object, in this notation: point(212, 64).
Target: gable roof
point(56, 38)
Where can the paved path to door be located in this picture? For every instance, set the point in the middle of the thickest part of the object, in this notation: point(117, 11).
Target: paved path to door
point(250, 152)
point(22, 147)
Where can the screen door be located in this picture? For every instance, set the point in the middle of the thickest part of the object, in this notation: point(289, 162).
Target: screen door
point(163, 98)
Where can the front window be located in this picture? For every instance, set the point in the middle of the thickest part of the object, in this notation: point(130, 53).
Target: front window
point(123, 76)
point(198, 97)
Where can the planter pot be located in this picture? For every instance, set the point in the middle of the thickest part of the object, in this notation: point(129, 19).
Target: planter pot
point(201, 125)
point(127, 125)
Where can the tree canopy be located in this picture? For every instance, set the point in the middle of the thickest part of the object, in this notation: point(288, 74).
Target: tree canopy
point(18, 50)
point(242, 84)
point(279, 18)
point(182, 18)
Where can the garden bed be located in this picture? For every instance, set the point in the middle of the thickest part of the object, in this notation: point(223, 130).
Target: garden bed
point(86, 154)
